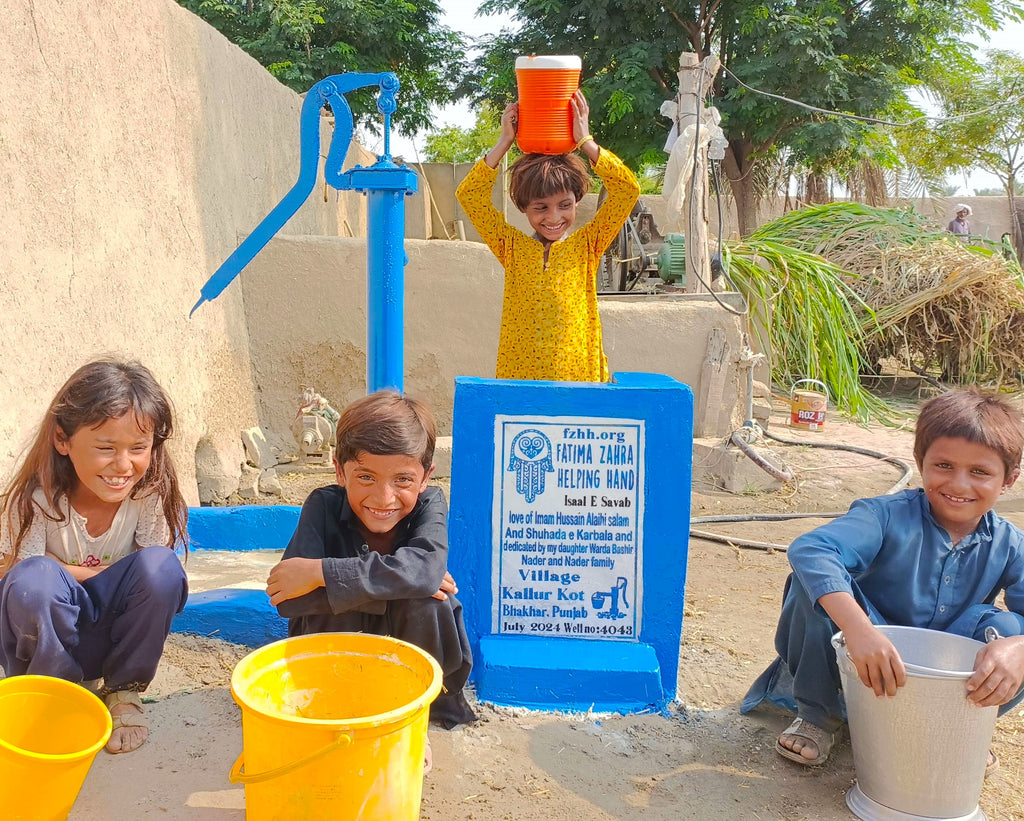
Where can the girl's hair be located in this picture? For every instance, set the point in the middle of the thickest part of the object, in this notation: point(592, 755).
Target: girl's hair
point(102, 390)
point(386, 423)
point(538, 176)
point(981, 418)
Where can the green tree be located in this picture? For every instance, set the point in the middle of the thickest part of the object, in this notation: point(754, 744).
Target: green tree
point(1018, 190)
point(454, 144)
point(302, 41)
point(992, 137)
point(845, 55)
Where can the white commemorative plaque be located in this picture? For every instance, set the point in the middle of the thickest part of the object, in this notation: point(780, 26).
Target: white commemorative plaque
point(568, 516)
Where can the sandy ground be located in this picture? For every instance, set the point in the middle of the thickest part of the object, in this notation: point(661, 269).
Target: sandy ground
point(701, 761)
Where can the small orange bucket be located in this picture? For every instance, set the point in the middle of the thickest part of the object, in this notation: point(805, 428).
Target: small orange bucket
point(807, 407)
point(546, 86)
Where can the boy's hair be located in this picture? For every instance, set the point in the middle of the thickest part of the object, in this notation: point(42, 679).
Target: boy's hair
point(386, 423)
point(982, 418)
point(538, 176)
point(102, 390)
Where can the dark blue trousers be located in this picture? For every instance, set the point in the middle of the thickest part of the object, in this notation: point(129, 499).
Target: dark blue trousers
point(805, 676)
point(112, 626)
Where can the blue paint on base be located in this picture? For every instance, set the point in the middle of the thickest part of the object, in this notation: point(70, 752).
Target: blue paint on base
point(245, 527)
point(574, 674)
point(535, 671)
point(239, 616)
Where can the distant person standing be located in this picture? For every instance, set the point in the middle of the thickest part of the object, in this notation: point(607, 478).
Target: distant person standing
point(959, 224)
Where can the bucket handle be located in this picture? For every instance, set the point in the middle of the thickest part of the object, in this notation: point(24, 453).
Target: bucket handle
point(239, 777)
point(917, 670)
point(811, 381)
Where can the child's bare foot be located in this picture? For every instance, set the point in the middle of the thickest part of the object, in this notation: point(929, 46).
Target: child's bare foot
point(805, 743)
point(131, 725)
point(428, 759)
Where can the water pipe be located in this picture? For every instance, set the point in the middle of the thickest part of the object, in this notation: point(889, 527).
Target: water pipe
point(905, 473)
point(745, 437)
point(386, 186)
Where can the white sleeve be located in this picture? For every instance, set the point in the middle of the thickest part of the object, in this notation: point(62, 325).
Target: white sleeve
point(34, 543)
point(152, 528)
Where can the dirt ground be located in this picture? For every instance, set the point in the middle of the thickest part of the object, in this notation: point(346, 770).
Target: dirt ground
point(701, 761)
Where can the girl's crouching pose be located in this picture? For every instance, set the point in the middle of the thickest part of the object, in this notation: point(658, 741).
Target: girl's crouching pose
point(87, 530)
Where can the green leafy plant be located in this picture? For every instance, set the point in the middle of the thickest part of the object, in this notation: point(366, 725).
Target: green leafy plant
point(302, 41)
point(836, 288)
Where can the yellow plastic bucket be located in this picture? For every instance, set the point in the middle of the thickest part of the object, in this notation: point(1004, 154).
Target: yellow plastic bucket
point(50, 731)
point(334, 725)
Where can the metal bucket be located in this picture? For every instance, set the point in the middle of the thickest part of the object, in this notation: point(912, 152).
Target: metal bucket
point(807, 407)
point(921, 754)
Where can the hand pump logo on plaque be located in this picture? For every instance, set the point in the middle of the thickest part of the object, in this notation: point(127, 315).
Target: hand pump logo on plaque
point(568, 511)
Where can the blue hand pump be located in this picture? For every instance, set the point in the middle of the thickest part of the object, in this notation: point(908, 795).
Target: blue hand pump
point(385, 184)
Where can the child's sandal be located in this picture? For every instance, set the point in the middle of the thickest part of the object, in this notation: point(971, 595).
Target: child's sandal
point(126, 718)
point(822, 739)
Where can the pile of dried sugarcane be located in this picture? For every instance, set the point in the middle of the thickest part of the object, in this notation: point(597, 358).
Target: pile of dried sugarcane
point(890, 285)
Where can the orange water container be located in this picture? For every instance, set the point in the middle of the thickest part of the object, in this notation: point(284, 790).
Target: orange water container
point(546, 86)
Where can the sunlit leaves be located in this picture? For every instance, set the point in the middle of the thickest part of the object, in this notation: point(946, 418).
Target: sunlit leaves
point(302, 41)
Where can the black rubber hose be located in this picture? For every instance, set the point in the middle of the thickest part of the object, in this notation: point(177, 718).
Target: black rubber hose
point(782, 474)
point(903, 481)
point(763, 517)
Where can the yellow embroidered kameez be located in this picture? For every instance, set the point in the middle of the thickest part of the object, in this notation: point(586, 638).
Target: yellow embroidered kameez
point(550, 327)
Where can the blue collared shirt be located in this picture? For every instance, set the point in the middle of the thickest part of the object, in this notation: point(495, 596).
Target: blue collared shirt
point(905, 563)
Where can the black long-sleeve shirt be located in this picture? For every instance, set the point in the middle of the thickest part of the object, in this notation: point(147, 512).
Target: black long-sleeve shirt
point(356, 577)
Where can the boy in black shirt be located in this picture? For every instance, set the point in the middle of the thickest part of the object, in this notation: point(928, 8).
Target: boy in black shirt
point(370, 554)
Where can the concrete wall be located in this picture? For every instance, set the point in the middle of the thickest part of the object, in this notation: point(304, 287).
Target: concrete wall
point(305, 299)
point(136, 150)
point(136, 146)
point(990, 219)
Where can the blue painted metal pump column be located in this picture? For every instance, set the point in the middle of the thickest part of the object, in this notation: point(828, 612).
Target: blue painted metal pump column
point(386, 186)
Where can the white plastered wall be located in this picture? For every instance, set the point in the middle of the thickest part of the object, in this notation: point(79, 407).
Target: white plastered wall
point(136, 151)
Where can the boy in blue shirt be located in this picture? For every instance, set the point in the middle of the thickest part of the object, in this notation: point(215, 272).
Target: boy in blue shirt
point(370, 554)
point(934, 557)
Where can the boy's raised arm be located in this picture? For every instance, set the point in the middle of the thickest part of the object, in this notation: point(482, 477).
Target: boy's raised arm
point(296, 583)
point(474, 192)
point(509, 126)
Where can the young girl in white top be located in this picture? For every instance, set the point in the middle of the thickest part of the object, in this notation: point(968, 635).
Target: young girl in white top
point(90, 579)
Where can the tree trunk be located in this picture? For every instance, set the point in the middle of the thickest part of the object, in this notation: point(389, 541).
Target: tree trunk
point(738, 170)
point(817, 188)
point(696, 79)
point(1016, 235)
